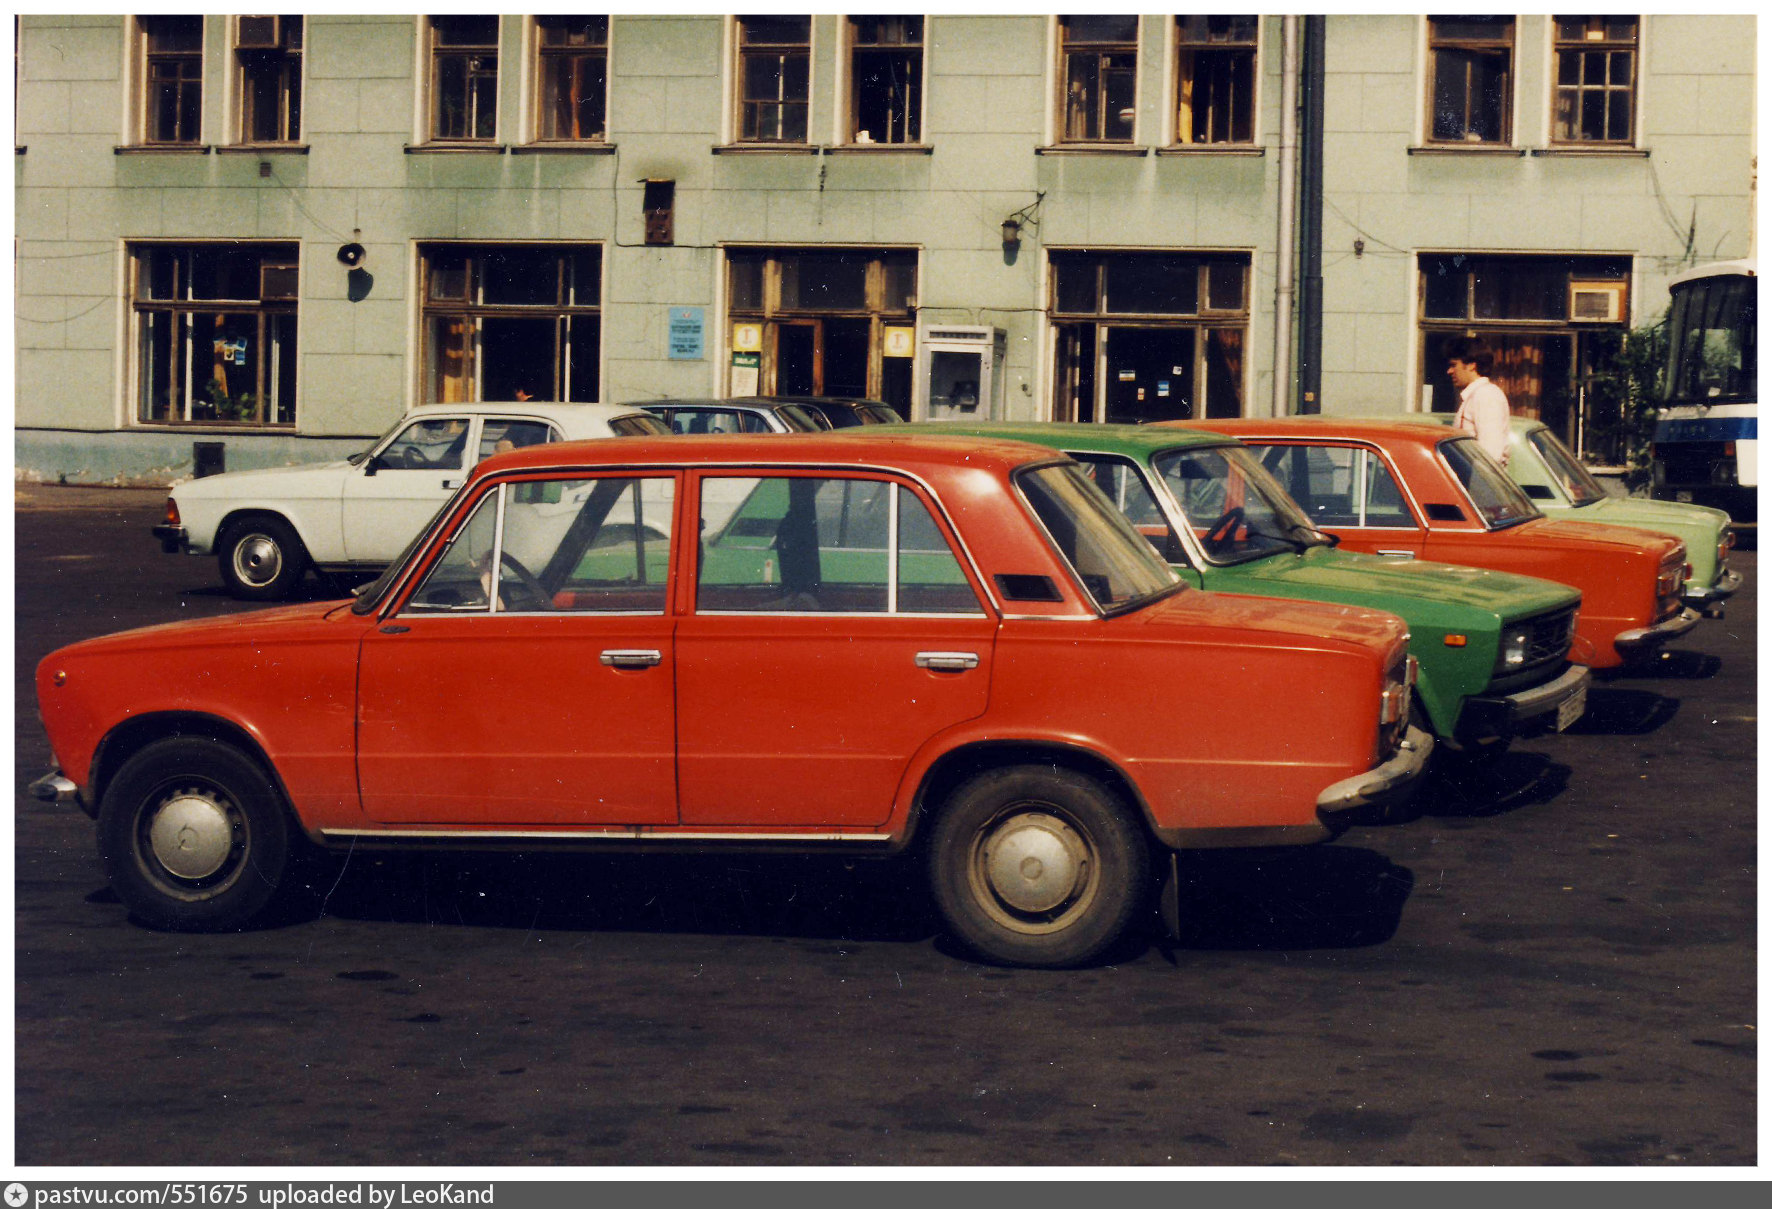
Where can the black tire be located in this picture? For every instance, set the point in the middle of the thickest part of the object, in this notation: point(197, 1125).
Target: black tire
point(1037, 866)
point(260, 558)
point(194, 835)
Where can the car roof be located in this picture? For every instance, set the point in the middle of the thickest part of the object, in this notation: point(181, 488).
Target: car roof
point(1376, 429)
point(1098, 438)
point(752, 402)
point(563, 413)
point(884, 446)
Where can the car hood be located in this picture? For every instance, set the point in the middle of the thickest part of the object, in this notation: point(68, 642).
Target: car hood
point(1691, 521)
point(279, 479)
point(258, 626)
point(1587, 534)
point(1305, 624)
point(1387, 583)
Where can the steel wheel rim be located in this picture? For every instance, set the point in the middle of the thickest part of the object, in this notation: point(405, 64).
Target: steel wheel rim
point(258, 560)
point(1033, 870)
point(191, 839)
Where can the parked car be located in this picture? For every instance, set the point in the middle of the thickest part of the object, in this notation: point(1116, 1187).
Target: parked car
point(1555, 480)
point(1493, 647)
point(267, 527)
point(698, 416)
point(889, 640)
point(1408, 490)
point(850, 413)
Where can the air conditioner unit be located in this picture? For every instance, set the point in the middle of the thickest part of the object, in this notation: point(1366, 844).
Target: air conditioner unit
point(259, 33)
point(1596, 301)
point(278, 282)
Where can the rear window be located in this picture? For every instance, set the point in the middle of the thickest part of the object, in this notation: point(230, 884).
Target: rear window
point(639, 426)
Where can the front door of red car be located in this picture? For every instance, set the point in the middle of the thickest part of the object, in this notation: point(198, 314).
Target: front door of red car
point(833, 634)
point(1350, 491)
point(527, 680)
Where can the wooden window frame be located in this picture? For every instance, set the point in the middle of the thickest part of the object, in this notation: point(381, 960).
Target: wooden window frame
point(1561, 46)
point(1509, 45)
point(1186, 83)
point(1069, 48)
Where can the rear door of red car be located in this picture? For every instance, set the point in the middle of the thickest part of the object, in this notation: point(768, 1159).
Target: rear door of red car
point(832, 630)
point(543, 697)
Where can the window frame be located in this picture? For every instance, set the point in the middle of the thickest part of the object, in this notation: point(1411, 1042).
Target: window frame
point(1511, 46)
point(1561, 46)
point(181, 312)
point(1178, 46)
point(434, 56)
point(1067, 47)
point(741, 52)
point(1365, 456)
point(290, 93)
point(471, 310)
point(539, 55)
point(144, 58)
point(917, 95)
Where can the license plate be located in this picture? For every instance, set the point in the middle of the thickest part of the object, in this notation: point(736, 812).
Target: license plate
point(1572, 709)
point(1684, 497)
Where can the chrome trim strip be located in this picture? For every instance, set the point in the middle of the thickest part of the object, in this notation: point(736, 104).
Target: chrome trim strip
point(1728, 583)
point(623, 833)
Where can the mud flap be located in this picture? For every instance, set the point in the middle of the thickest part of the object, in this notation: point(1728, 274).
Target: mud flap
point(1169, 900)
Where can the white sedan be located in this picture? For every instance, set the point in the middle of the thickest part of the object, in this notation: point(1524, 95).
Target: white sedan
point(267, 527)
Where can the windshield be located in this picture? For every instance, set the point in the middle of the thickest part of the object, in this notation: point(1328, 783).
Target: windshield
point(356, 459)
point(1498, 501)
point(1713, 341)
point(1581, 487)
point(1232, 504)
point(1115, 565)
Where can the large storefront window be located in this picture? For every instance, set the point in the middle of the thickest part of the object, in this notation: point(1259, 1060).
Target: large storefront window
point(215, 333)
point(1552, 322)
point(1149, 335)
point(499, 319)
point(819, 320)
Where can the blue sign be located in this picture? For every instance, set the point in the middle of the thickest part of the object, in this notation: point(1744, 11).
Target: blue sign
point(686, 333)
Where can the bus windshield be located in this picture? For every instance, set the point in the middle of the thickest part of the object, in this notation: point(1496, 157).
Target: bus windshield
point(1712, 342)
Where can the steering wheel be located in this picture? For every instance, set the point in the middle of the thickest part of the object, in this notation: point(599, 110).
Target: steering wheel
point(527, 579)
point(413, 458)
point(1222, 528)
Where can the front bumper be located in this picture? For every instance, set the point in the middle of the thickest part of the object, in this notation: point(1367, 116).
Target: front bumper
point(53, 787)
point(1709, 601)
point(1635, 642)
point(173, 538)
point(1390, 783)
point(1505, 715)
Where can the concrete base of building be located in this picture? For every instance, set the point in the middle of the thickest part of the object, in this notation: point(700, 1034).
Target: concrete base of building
point(161, 459)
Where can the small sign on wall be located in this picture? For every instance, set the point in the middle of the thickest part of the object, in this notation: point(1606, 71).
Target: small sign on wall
point(747, 337)
point(745, 371)
point(685, 337)
point(899, 342)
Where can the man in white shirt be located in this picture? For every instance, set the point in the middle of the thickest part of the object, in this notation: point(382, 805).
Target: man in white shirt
point(1482, 407)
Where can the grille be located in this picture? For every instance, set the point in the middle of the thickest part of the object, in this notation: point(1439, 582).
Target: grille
point(1551, 635)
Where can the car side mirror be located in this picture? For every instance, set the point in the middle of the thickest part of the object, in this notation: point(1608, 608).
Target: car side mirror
point(370, 467)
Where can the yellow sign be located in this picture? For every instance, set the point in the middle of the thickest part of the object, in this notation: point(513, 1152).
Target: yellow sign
point(900, 341)
point(747, 337)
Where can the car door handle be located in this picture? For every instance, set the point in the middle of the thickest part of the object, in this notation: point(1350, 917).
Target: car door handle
point(631, 658)
point(947, 661)
point(451, 484)
point(1396, 553)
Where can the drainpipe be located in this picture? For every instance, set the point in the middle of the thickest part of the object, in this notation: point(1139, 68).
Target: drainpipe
point(1310, 222)
point(1283, 252)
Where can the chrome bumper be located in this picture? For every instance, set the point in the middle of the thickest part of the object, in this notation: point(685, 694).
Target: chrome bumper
point(1390, 782)
point(53, 787)
point(173, 538)
point(1502, 715)
point(1632, 641)
point(1708, 599)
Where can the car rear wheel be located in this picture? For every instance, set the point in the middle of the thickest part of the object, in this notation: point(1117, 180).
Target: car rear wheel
point(261, 558)
point(193, 835)
point(1037, 866)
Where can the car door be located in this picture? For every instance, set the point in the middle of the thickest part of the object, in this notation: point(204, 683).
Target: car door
point(1351, 491)
point(830, 633)
point(396, 490)
point(527, 680)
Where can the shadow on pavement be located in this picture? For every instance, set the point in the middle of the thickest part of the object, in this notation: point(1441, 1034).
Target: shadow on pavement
point(1486, 788)
point(1624, 711)
point(1665, 665)
point(1327, 897)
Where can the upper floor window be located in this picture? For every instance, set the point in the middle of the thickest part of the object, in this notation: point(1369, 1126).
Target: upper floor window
point(774, 74)
point(464, 78)
point(267, 56)
point(1471, 87)
point(886, 79)
point(1215, 79)
point(572, 78)
point(1596, 79)
point(215, 332)
point(172, 79)
point(1098, 71)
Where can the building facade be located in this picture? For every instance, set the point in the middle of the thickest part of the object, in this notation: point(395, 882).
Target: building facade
point(281, 234)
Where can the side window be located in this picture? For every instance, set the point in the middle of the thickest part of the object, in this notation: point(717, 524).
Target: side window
point(426, 445)
point(560, 546)
point(1120, 481)
point(826, 545)
point(502, 436)
point(1340, 487)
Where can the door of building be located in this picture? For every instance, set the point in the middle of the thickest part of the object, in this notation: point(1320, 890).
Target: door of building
point(1150, 374)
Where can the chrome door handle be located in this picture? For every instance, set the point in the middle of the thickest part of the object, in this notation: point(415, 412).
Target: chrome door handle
point(451, 484)
point(631, 658)
point(1396, 553)
point(947, 661)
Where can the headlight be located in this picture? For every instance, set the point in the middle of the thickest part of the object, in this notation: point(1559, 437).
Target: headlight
point(1516, 647)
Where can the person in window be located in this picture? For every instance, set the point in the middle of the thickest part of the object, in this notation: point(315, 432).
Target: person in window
point(1482, 407)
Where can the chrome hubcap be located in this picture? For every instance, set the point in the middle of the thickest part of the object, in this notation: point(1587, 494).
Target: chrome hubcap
point(1035, 863)
point(257, 560)
point(191, 835)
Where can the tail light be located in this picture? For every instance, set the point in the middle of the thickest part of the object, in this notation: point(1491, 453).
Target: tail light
point(171, 511)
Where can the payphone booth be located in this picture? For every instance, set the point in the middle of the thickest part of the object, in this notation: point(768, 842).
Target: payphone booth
point(959, 373)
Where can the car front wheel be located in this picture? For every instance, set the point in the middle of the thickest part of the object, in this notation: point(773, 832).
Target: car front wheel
point(261, 558)
point(1037, 866)
point(193, 835)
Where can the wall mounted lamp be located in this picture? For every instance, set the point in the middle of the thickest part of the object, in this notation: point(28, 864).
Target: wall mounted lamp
point(1026, 216)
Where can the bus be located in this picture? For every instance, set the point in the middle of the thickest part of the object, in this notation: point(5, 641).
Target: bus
point(1707, 428)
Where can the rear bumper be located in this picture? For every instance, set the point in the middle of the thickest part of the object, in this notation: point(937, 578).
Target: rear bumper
point(1501, 717)
point(1390, 783)
point(173, 538)
point(1635, 642)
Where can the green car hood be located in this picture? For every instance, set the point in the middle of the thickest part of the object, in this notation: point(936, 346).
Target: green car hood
point(1699, 527)
point(1423, 593)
